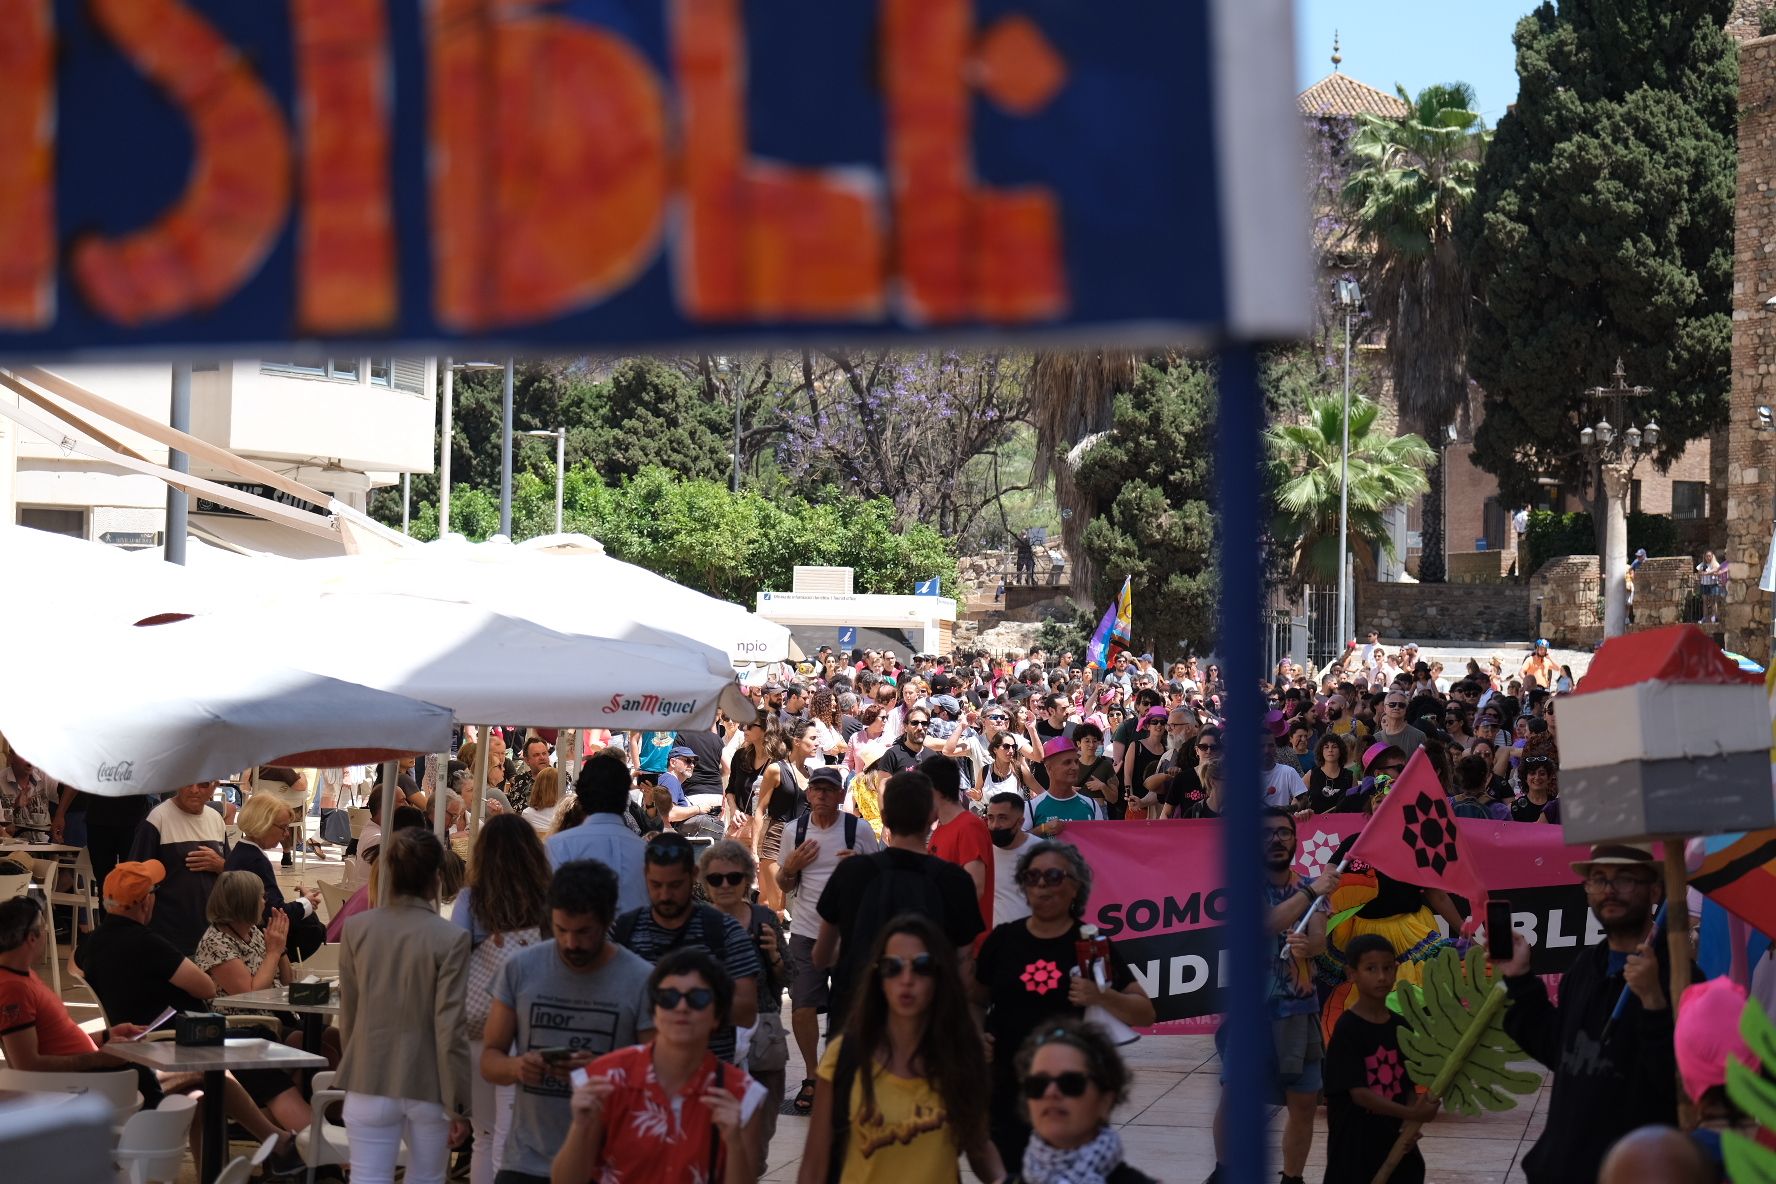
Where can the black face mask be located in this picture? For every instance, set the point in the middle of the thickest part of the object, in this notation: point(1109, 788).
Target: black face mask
point(1002, 838)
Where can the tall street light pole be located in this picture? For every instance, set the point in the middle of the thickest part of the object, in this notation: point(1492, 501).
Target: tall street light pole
point(1615, 452)
point(1350, 297)
point(506, 454)
point(560, 435)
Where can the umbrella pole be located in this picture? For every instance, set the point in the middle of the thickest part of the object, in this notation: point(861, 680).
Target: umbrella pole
point(440, 795)
point(483, 756)
point(567, 757)
point(391, 770)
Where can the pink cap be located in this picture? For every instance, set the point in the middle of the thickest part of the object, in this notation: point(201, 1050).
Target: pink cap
point(1708, 1033)
point(1057, 746)
point(1374, 751)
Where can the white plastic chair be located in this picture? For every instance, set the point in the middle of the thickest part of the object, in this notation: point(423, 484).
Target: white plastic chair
point(240, 1169)
point(323, 963)
point(153, 1144)
point(326, 1142)
point(335, 894)
point(84, 896)
point(45, 872)
point(117, 1086)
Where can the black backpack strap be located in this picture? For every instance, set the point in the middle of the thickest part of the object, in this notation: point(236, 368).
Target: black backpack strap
point(623, 930)
point(850, 832)
point(801, 830)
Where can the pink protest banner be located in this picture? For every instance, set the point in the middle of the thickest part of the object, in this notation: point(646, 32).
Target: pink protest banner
point(1156, 893)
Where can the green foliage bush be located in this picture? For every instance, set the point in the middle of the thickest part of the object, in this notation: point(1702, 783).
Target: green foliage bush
point(1552, 535)
point(702, 535)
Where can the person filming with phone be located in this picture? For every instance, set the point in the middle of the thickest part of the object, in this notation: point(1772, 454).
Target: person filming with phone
point(1610, 1075)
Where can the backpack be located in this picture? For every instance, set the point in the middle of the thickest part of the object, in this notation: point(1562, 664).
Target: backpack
point(801, 830)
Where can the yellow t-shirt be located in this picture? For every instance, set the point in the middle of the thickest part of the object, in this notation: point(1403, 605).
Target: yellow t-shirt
point(907, 1138)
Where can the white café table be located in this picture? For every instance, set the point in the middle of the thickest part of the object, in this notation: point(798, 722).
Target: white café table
point(275, 999)
point(213, 1062)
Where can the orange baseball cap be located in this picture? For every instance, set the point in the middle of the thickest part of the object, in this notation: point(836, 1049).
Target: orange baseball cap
point(128, 883)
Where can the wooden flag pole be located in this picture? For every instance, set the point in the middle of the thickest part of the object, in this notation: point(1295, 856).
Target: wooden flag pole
point(1677, 947)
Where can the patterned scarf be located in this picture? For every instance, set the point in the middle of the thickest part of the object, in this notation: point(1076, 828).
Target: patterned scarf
point(1090, 1164)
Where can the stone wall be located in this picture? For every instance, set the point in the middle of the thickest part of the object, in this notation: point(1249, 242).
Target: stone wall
point(1445, 612)
point(1662, 592)
point(1479, 567)
point(1751, 455)
point(1565, 597)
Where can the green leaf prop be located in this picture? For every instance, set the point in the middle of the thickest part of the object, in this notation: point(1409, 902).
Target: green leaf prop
point(1749, 1162)
point(1455, 1043)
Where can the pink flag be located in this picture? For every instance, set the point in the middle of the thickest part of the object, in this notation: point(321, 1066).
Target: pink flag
point(1415, 837)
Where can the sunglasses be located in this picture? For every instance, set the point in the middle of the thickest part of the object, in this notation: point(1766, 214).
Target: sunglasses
point(891, 967)
point(667, 851)
point(1394, 706)
point(998, 718)
point(725, 879)
point(668, 998)
point(1390, 770)
point(917, 723)
point(1044, 877)
point(1208, 748)
point(1072, 1084)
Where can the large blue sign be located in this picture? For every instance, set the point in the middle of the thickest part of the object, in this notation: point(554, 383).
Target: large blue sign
point(210, 173)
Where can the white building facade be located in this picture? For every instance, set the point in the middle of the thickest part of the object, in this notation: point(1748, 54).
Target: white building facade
point(344, 426)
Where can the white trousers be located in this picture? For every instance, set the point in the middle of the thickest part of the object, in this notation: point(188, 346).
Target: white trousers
point(491, 1118)
point(377, 1126)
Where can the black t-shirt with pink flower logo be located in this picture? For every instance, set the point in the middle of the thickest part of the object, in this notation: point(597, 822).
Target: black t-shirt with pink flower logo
point(1026, 978)
point(1363, 1055)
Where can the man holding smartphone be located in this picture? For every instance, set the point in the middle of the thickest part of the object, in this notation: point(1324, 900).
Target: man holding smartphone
point(557, 1006)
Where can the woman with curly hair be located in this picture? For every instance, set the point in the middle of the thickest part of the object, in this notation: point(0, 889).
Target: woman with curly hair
point(1020, 998)
point(829, 737)
point(898, 1095)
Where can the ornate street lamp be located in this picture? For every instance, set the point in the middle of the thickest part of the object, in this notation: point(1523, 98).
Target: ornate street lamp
point(1615, 453)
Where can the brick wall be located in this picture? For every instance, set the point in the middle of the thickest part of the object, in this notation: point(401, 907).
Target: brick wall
point(1480, 567)
point(1445, 612)
point(1751, 456)
point(1565, 597)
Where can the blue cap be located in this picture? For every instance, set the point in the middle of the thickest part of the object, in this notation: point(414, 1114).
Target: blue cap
point(681, 750)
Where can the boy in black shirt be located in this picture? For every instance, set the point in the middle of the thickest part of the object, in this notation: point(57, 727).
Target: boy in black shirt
point(1368, 1095)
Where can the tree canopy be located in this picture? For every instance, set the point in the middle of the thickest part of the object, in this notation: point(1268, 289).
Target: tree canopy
point(1150, 480)
point(1602, 227)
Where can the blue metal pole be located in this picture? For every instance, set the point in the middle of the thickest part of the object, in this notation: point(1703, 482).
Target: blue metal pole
point(1239, 454)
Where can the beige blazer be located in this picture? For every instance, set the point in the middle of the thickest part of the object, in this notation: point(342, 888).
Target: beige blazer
point(403, 971)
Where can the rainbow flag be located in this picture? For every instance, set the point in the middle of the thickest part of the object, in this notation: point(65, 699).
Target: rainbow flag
point(1739, 874)
point(1112, 633)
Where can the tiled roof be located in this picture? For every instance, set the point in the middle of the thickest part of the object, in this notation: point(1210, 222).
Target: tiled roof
point(1340, 94)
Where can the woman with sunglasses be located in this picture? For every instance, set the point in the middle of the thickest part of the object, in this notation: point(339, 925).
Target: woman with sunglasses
point(669, 1110)
point(1024, 976)
point(1139, 762)
point(1071, 1078)
point(1185, 791)
point(899, 1098)
point(727, 870)
point(754, 754)
point(1007, 771)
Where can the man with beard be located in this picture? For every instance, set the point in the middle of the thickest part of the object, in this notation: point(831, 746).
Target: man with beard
point(1609, 1076)
point(672, 919)
point(1295, 1067)
point(557, 1006)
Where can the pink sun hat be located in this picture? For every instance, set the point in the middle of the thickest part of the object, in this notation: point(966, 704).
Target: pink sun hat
point(1708, 1034)
point(1057, 746)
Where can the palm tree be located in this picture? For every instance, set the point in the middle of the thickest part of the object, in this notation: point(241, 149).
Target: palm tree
point(1411, 179)
point(1385, 471)
point(1072, 393)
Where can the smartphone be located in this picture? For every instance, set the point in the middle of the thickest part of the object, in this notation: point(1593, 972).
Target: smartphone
point(1498, 930)
point(555, 1055)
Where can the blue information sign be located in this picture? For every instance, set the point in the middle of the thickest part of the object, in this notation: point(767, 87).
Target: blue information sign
point(847, 638)
point(208, 174)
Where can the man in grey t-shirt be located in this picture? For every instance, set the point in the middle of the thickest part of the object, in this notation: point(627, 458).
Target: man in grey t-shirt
point(1393, 729)
point(556, 1007)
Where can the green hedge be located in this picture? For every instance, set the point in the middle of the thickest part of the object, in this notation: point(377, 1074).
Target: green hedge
point(1552, 535)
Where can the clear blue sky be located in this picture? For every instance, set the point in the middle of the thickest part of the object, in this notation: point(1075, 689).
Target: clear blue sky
point(1415, 43)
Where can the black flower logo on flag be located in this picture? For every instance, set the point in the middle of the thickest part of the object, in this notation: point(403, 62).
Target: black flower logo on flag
point(1430, 832)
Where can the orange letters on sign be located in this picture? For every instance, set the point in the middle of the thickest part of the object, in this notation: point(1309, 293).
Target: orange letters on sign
point(550, 180)
point(761, 241)
point(235, 204)
point(345, 247)
point(964, 250)
point(27, 183)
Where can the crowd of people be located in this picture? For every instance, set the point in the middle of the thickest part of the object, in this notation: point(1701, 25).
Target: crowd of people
point(607, 956)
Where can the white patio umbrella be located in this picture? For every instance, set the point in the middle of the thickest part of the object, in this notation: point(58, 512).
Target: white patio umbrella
point(483, 666)
point(70, 581)
point(567, 584)
point(121, 711)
